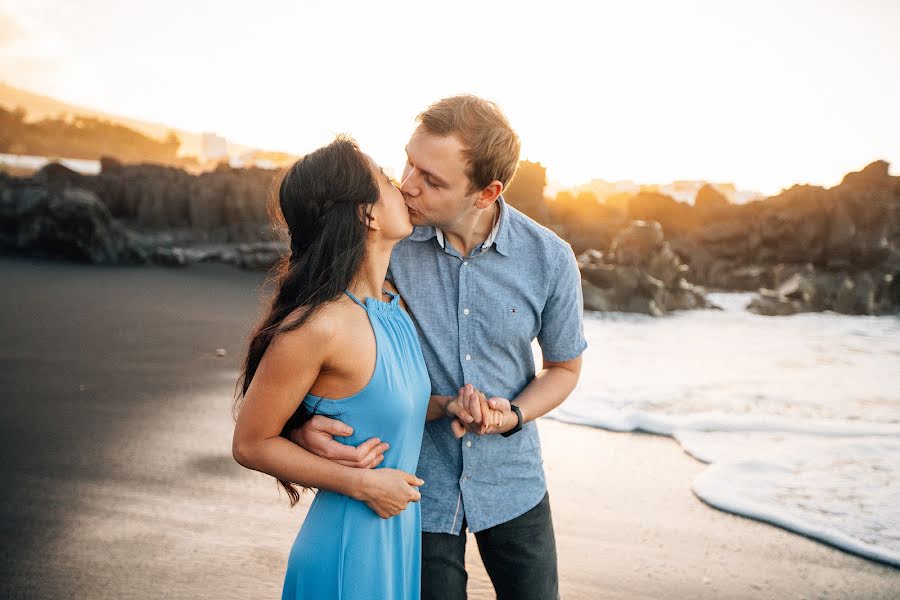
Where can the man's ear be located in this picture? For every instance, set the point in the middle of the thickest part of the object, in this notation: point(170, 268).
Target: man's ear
point(489, 194)
point(367, 216)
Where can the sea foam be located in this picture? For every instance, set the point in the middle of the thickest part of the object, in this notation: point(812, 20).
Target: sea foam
point(798, 417)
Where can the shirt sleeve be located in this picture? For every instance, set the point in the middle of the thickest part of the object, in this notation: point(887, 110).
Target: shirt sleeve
point(562, 321)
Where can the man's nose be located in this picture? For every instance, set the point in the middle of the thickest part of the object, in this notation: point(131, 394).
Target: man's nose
point(408, 186)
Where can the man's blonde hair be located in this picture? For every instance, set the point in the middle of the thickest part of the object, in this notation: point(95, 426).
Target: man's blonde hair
point(490, 146)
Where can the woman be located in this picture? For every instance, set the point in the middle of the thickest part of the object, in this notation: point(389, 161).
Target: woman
point(337, 341)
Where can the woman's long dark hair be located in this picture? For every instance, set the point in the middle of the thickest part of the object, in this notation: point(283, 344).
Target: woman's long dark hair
point(319, 200)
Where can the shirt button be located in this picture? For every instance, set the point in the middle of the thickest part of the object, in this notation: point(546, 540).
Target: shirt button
point(465, 311)
point(465, 262)
point(468, 357)
point(469, 444)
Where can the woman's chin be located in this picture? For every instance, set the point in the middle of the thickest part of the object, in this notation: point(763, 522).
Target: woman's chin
point(416, 219)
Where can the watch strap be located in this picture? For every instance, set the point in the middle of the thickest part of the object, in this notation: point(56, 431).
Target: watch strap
point(518, 426)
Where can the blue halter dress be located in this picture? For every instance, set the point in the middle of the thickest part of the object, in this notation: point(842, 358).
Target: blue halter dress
point(344, 550)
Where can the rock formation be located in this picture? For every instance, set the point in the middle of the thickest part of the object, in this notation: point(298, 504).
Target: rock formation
point(66, 222)
point(640, 273)
point(140, 213)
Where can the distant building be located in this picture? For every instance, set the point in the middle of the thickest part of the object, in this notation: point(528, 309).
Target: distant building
point(213, 148)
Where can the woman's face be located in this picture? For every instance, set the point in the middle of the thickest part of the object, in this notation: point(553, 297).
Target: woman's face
point(389, 211)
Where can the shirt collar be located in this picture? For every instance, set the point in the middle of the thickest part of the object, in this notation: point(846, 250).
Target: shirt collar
point(498, 236)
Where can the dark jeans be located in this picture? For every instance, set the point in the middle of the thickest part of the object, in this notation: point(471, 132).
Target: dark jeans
point(519, 556)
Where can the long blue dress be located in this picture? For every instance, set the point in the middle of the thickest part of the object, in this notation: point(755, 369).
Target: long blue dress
point(344, 550)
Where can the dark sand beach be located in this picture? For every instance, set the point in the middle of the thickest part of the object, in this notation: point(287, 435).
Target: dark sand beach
point(119, 481)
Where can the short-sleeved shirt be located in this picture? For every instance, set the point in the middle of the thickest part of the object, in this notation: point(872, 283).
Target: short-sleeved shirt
point(476, 318)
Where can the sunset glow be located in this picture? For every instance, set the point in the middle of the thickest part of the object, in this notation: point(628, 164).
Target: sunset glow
point(764, 94)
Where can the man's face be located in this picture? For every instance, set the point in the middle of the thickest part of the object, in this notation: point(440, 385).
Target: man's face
point(435, 185)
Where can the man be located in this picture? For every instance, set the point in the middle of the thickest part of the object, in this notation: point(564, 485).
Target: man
point(481, 281)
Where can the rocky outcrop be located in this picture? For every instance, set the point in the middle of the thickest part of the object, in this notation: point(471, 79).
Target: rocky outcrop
point(256, 256)
point(66, 222)
point(640, 273)
point(804, 289)
point(140, 213)
point(853, 227)
point(225, 205)
point(849, 235)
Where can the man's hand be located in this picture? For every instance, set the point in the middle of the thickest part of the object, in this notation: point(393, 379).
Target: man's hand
point(508, 419)
point(317, 436)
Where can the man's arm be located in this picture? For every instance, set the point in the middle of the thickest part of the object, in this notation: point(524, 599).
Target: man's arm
point(562, 337)
point(317, 435)
point(546, 391)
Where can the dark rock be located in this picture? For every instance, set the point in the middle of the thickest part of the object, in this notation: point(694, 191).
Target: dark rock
point(646, 306)
point(64, 221)
point(709, 198)
point(635, 244)
point(170, 257)
point(604, 276)
point(874, 173)
point(845, 300)
point(596, 298)
point(666, 266)
point(864, 286)
point(641, 273)
point(108, 164)
point(726, 275)
point(260, 256)
point(774, 305)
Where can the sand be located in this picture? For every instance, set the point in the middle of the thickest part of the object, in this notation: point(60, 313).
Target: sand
point(119, 481)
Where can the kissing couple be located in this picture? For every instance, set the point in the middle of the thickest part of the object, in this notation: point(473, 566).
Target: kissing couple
point(393, 369)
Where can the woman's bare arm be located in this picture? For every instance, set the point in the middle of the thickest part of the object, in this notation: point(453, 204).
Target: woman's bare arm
point(285, 374)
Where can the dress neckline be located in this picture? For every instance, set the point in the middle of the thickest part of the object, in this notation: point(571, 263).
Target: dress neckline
point(376, 302)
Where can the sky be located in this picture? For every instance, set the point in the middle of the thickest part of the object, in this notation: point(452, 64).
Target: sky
point(761, 93)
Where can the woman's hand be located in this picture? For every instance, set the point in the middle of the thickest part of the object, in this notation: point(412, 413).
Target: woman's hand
point(471, 401)
point(389, 491)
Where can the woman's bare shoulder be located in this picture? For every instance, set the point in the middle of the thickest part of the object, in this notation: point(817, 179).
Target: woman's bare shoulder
point(320, 327)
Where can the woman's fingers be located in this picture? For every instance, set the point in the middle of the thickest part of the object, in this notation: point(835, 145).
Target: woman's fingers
point(473, 403)
point(413, 480)
point(457, 428)
point(488, 418)
point(456, 408)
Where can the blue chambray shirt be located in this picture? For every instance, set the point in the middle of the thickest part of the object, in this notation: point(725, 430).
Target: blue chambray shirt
point(476, 317)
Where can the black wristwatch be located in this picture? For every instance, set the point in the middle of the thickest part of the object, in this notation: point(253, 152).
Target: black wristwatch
point(518, 426)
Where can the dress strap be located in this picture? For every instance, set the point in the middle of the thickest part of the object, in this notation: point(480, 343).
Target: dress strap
point(352, 297)
point(391, 294)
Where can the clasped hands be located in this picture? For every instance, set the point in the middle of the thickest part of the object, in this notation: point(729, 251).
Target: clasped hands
point(473, 412)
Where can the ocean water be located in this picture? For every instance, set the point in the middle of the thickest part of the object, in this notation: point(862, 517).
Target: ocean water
point(798, 417)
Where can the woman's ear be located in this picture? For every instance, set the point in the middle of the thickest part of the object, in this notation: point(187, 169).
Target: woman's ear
point(368, 215)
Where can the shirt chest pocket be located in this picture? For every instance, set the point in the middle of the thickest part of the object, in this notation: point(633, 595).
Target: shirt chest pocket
point(514, 321)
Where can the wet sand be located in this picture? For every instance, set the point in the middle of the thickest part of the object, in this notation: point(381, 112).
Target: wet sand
point(119, 481)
